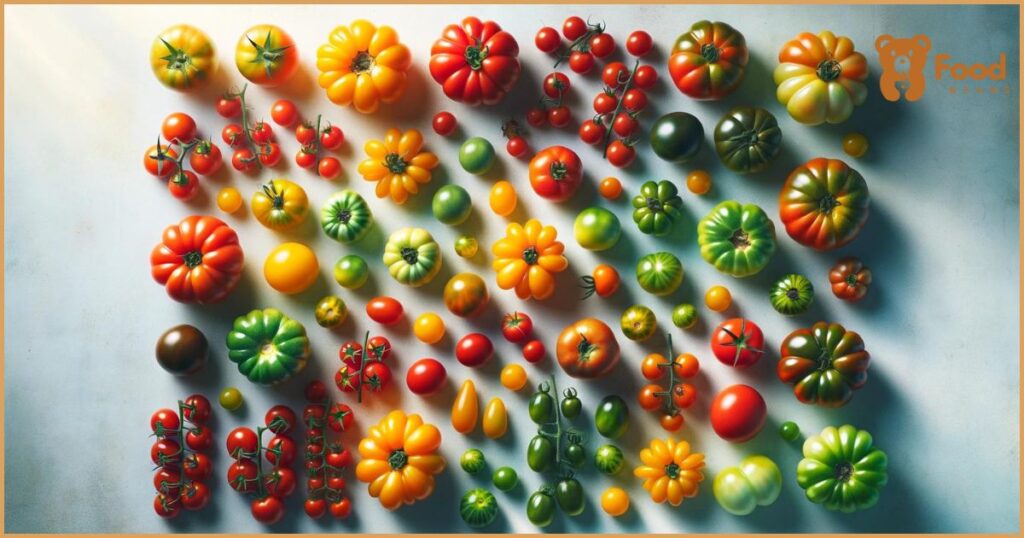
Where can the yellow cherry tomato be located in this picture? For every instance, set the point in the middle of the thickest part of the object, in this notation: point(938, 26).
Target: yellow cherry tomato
point(718, 298)
point(466, 246)
point(229, 200)
point(428, 328)
point(699, 182)
point(615, 501)
point(610, 188)
point(291, 268)
point(503, 198)
point(466, 408)
point(855, 145)
point(513, 377)
point(495, 419)
point(182, 57)
point(363, 65)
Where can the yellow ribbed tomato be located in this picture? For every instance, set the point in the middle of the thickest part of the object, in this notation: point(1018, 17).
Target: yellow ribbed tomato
point(280, 205)
point(527, 259)
point(182, 57)
point(397, 164)
point(399, 459)
point(820, 78)
point(363, 65)
point(670, 471)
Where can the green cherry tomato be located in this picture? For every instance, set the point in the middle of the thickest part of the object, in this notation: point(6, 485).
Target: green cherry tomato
point(542, 406)
point(677, 137)
point(684, 316)
point(791, 294)
point(571, 404)
point(638, 323)
point(597, 229)
point(657, 207)
point(331, 312)
point(466, 246)
point(569, 494)
point(351, 271)
point(505, 478)
point(609, 459)
point(756, 481)
point(574, 455)
point(472, 461)
point(659, 273)
point(789, 431)
point(540, 508)
point(231, 398)
point(611, 418)
point(478, 508)
point(540, 453)
point(476, 155)
point(842, 469)
point(738, 239)
point(451, 205)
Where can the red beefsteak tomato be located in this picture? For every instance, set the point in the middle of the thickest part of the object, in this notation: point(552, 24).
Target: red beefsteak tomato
point(824, 203)
point(555, 173)
point(475, 62)
point(199, 260)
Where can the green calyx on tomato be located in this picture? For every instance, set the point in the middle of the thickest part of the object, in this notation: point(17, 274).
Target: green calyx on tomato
point(597, 229)
point(677, 137)
point(638, 323)
point(756, 481)
point(412, 256)
point(792, 294)
point(268, 346)
point(346, 217)
point(842, 469)
point(824, 204)
point(478, 508)
point(657, 207)
point(659, 273)
point(738, 239)
point(748, 139)
point(824, 363)
point(451, 205)
point(709, 60)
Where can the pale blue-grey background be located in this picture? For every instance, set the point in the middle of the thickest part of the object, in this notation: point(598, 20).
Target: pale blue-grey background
point(82, 312)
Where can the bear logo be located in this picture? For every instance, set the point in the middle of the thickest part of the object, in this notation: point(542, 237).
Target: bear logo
point(903, 62)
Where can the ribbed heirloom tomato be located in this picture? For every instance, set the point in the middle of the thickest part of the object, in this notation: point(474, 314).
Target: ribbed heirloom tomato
point(475, 62)
point(556, 173)
point(820, 78)
point(199, 260)
point(363, 65)
point(709, 60)
point(824, 204)
point(399, 459)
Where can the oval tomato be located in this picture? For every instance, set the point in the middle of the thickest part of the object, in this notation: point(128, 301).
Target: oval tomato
point(824, 204)
point(475, 62)
point(266, 55)
point(384, 310)
point(738, 413)
point(474, 349)
point(555, 173)
point(709, 60)
point(587, 348)
point(737, 342)
point(426, 376)
point(198, 260)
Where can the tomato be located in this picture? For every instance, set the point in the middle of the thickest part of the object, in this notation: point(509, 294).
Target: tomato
point(331, 137)
point(536, 117)
point(824, 204)
point(555, 85)
point(495, 419)
point(672, 422)
point(737, 342)
point(505, 478)
point(242, 476)
point(738, 239)
point(649, 397)
point(609, 459)
point(615, 501)
point(503, 198)
point(855, 145)
point(533, 351)
point(242, 443)
point(756, 481)
point(602, 44)
point(513, 377)
point(165, 422)
point(540, 507)
point(159, 160)
point(789, 431)
point(747, 139)
point(198, 260)
point(698, 182)
point(267, 510)
point(634, 100)
point(597, 228)
point(652, 367)
point(657, 207)
point(738, 413)
point(465, 295)
point(428, 328)
point(677, 137)
point(611, 417)
point(475, 61)
point(346, 217)
point(351, 271)
point(639, 43)
point(542, 407)
point(280, 482)
point(329, 168)
point(478, 508)
point(351, 353)
point(684, 395)
point(792, 294)
point(466, 408)
point(686, 365)
point(581, 62)
point(610, 188)
point(230, 399)
point(229, 105)
point(183, 185)
point(516, 327)
point(445, 123)
point(718, 298)
point(638, 323)
point(291, 268)
point(166, 506)
point(559, 116)
point(315, 508)
point(269, 154)
point(280, 419)
point(340, 418)
point(199, 438)
point(412, 256)
point(183, 57)
point(709, 60)
point(517, 146)
point(179, 127)
point(168, 481)
point(452, 205)
point(472, 461)
point(849, 278)
point(233, 135)
point(197, 408)
point(587, 348)
point(820, 78)
point(280, 205)
point(262, 133)
point(195, 496)
point(569, 494)
point(624, 124)
point(659, 273)
point(620, 154)
point(384, 310)
point(426, 376)
point(547, 39)
point(476, 155)
point(266, 55)
point(280, 450)
point(342, 508)
point(645, 77)
point(244, 160)
point(205, 158)
point(825, 364)
point(614, 74)
point(684, 316)
point(574, 27)
point(378, 348)
point(347, 378)
point(466, 246)
point(591, 132)
point(268, 346)
point(306, 134)
point(555, 173)
point(166, 453)
point(527, 259)
point(474, 349)
point(284, 112)
point(605, 102)
point(363, 65)
point(604, 281)
point(842, 469)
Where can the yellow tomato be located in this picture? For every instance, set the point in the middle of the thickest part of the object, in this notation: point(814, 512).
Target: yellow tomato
point(699, 182)
point(266, 55)
point(397, 164)
point(503, 198)
point(280, 205)
point(513, 377)
point(429, 328)
point(363, 65)
point(615, 501)
point(229, 200)
point(855, 145)
point(495, 421)
point(182, 57)
point(527, 259)
point(466, 408)
point(291, 268)
point(670, 471)
point(399, 459)
point(718, 298)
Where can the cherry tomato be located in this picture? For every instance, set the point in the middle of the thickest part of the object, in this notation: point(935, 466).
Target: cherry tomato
point(547, 39)
point(605, 102)
point(262, 132)
point(426, 376)
point(205, 158)
point(339, 459)
point(603, 281)
point(384, 310)
point(199, 438)
point(316, 391)
point(516, 327)
point(267, 510)
point(738, 413)
point(536, 117)
point(179, 127)
point(474, 349)
point(198, 466)
point(854, 144)
point(517, 146)
point(242, 442)
point(737, 342)
point(233, 135)
point(581, 62)
point(503, 198)
point(280, 450)
point(624, 125)
point(634, 100)
point(610, 188)
point(165, 453)
point(378, 348)
point(229, 106)
point(639, 43)
point(686, 365)
point(533, 351)
point(280, 419)
point(645, 77)
point(329, 168)
point(718, 298)
point(513, 377)
point(341, 508)
point(591, 132)
point(194, 496)
point(280, 482)
point(672, 422)
point(284, 112)
point(347, 378)
point(573, 28)
point(165, 506)
point(683, 395)
point(651, 368)
point(270, 154)
point(229, 200)
point(242, 476)
point(601, 45)
point(314, 414)
point(167, 481)
point(305, 133)
point(559, 116)
point(620, 155)
point(315, 508)
point(159, 160)
point(331, 137)
point(351, 353)
point(698, 182)
point(306, 157)
point(243, 160)
point(556, 84)
point(445, 123)
point(165, 421)
point(648, 397)
point(184, 185)
point(428, 328)
point(376, 376)
point(230, 398)
point(614, 74)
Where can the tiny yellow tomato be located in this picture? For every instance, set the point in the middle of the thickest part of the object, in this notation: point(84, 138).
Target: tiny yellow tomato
point(699, 182)
point(718, 298)
point(513, 377)
point(615, 501)
point(429, 328)
point(229, 199)
point(503, 198)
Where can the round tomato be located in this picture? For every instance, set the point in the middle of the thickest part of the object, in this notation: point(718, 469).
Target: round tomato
point(426, 376)
point(659, 273)
point(184, 185)
point(280, 205)
point(267, 510)
point(466, 295)
point(242, 443)
point(604, 281)
point(205, 158)
point(748, 139)
point(160, 160)
point(820, 78)
point(475, 62)
point(198, 260)
point(638, 323)
point(346, 217)
point(266, 55)
point(684, 316)
point(230, 398)
point(445, 123)
point(709, 60)
point(792, 294)
point(452, 205)
point(476, 155)
point(179, 127)
point(291, 268)
point(587, 349)
point(620, 154)
point(855, 145)
point(284, 112)
point(849, 278)
point(182, 57)
point(555, 173)
point(738, 239)
point(384, 310)
point(533, 351)
point(615, 501)
point(677, 137)
point(182, 350)
point(165, 422)
point(737, 342)
point(597, 228)
point(503, 198)
point(474, 349)
point(824, 204)
point(718, 298)
point(656, 207)
point(351, 271)
point(428, 328)
point(639, 43)
point(268, 346)
point(610, 188)
point(412, 256)
point(513, 377)
point(738, 413)
point(516, 327)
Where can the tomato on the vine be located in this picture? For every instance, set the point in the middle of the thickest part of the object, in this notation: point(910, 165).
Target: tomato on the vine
point(547, 39)
point(306, 157)
point(305, 133)
point(331, 137)
point(164, 421)
point(536, 117)
point(672, 422)
point(651, 368)
point(242, 442)
point(444, 123)
point(686, 365)
point(559, 116)
point(555, 85)
point(165, 453)
point(620, 154)
point(280, 482)
point(199, 438)
point(198, 466)
point(351, 353)
point(605, 102)
point(341, 508)
point(376, 376)
point(645, 77)
point(205, 158)
point(229, 106)
point(602, 44)
point(533, 351)
point(574, 27)
point(634, 100)
point(329, 168)
point(267, 510)
point(233, 135)
point(591, 132)
point(194, 496)
point(184, 185)
point(159, 160)
point(262, 132)
point(280, 419)
point(315, 391)
point(280, 450)
point(179, 127)
point(516, 327)
point(378, 348)
point(243, 160)
point(581, 62)
point(315, 508)
point(347, 378)
point(648, 397)
point(167, 481)
point(639, 43)
point(269, 154)
point(684, 395)
point(242, 476)
point(614, 74)
point(624, 125)
point(284, 112)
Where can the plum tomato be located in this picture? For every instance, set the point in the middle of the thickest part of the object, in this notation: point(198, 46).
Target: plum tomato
point(384, 310)
point(426, 376)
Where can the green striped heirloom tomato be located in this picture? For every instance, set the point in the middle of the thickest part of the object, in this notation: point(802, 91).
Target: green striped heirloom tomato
point(842, 469)
point(709, 60)
point(824, 363)
point(820, 78)
point(791, 294)
point(472, 461)
point(659, 273)
point(331, 312)
point(638, 323)
point(824, 203)
point(412, 256)
point(478, 507)
point(738, 239)
point(656, 207)
point(748, 139)
point(756, 481)
point(346, 217)
point(609, 459)
point(268, 346)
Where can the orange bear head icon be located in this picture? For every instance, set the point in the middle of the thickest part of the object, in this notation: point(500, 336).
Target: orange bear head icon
point(903, 61)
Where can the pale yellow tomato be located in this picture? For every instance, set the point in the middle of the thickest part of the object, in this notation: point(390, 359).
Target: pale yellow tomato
point(428, 328)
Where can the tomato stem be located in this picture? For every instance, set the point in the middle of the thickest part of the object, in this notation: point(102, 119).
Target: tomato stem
point(394, 163)
point(829, 70)
point(710, 52)
point(827, 203)
point(248, 130)
point(843, 471)
point(625, 86)
point(397, 459)
point(530, 255)
point(475, 56)
point(362, 63)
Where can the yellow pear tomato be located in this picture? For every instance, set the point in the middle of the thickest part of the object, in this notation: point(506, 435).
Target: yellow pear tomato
point(503, 198)
point(182, 57)
point(670, 471)
point(363, 65)
point(495, 420)
point(527, 259)
point(466, 408)
point(399, 459)
point(397, 164)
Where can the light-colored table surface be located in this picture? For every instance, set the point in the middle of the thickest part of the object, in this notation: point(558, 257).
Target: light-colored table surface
point(82, 313)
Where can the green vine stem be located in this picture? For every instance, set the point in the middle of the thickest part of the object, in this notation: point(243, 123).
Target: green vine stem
point(248, 130)
point(668, 405)
point(581, 43)
point(624, 86)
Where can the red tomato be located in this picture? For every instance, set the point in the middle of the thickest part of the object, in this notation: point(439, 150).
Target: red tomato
point(581, 62)
point(183, 185)
point(684, 395)
point(342, 508)
point(556, 173)
point(179, 127)
point(165, 453)
point(516, 327)
point(313, 415)
point(316, 391)
point(331, 137)
point(605, 102)
point(384, 310)
point(339, 459)
point(737, 342)
point(620, 154)
point(426, 376)
point(378, 348)
point(159, 160)
point(624, 125)
point(573, 28)
point(376, 376)
point(639, 43)
point(602, 45)
point(280, 419)
point(347, 378)
point(614, 74)
point(305, 133)
point(475, 61)
point(306, 157)
point(194, 496)
point(634, 100)
point(165, 421)
point(533, 351)
point(280, 482)
point(315, 508)
point(242, 476)
point(559, 116)
point(166, 506)
point(445, 123)
point(270, 154)
point(198, 466)
point(244, 161)
point(340, 417)
point(738, 413)
point(672, 422)
point(592, 132)
point(197, 260)
point(517, 146)
point(205, 158)
point(233, 135)
point(267, 510)
point(280, 450)
point(167, 481)
point(229, 106)
point(536, 117)
point(329, 168)
point(556, 84)
point(547, 39)
point(649, 397)
point(351, 353)
point(284, 112)
point(242, 443)
point(262, 132)
point(199, 438)
point(474, 349)
point(645, 77)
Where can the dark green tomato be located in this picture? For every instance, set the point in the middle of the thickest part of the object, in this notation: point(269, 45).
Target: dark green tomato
point(609, 459)
point(574, 455)
point(472, 461)
point(684, 316)
point(182, 350)
point(346, 217)
point(505, 478)
point(659, 273)
point(789, 431)
point(451, 205)
point(748, 139)
point(738, 239)
point(542, 407)
point(569, 494)
point(677, 137)
point(540, 454)
point(478, 508)
point(540, 508)
point(792, 294)
point(825, 363)
point(268, 346)
point(656, 207)
point(612, 417)
point(571, 404)
point(638, 323)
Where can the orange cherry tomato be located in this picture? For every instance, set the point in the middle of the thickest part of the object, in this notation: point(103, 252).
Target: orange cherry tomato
point(718, 298)
point(648, 397)
point(672, 423)
point(610, 188)
point(650, 366)
point(699, 182)
point(604, 281)
point(686, 365)
point(229, 200)
point(683, 395)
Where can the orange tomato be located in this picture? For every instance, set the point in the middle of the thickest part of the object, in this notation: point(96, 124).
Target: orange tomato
point(671, 472)
point(672, 422)
point(229, 200)
point(291, 268)
point(363, 65)
point(429, 328)
point(400, 459)
point(683, 395)
point(648, 397)
point(587, 349)
point(699, 182)
point(651, 366)
point(610, 188)
point(686, 365)
point(513, 377)
point(718, 298)
point(466, 408)
point(604, 281)
point(615, 501)
point(503, 198)
point(266, 55)
point(527, 258)
point(397, 165)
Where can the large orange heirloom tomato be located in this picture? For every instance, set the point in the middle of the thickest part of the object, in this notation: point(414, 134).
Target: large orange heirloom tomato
point(824, 203)
point(199, 260)
point(266, 55)
point(397, 164)
point(363, 65)
point(399, 459)
point(670, 471)
point(587, 348)
point(182, 57)
point(820, 78)
point(527, 258)
point(475, 62)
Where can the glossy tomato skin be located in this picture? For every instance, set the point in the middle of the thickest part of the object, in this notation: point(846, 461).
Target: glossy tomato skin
point(267, 510)
point(266, 55)
point(587, 349)
point(179, 127)
point(183, 57)
point(737, 342)
point(547, 39)
point(821, 78)
point(824, 204)
point(850, 279)
point(709, 60)
point(639, 43)
point(475, 62)
point(184, 185)
point(516, 327)
point(445, 123)
point(284, 112)
point(738, 239)
point(426, 376)
point(555, 173)
point(202, 274)
point(466, 295)
point(677, 137)
point(384, 310)
point(825, 364)
point(748, 139)
point(206, 158)
point(738, 413)
point(474, 349)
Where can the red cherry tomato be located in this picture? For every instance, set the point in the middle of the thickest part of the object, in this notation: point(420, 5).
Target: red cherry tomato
point(426, 376)
point(280, 419)
point(614, 73)
point(639, 43)
point(306, 157)
point(384, 310)
point(305, 133)
point(645, 77)
point(737, 342)
point(194, 496)
point(270, 154)
point(620, 155)
point(341, 508)
point(205, 158)
point(533, 351)
point(556, 84)
point(242, 442)
point(605, 103)
point(166, 506)
point(634, 100)
point(315, 508)
point(601, 45)
point(329, 168)
point(280, 482)
point(233, 135)
point(536, 117)
point(581, 62)
point(672, 422)
point(592, 132)
point(159, 160)
point(517, 146)
point(280, 450)
point(284, 113)
point(474, 349)
point(547, 39)
point(331, 137)
point(340, 417)
point(738, 413)
point(516, 327)
point(339, 458)
point(267, 510)
point(316, 391)
point(378, 348)
point(242, 476)
point(184, 185)
point(199, 438)
point(573, 28)
point(179, 127)
point(167, 481)
point(684, 395)
point(559, 116)
point(165, 453)
point(229, 106)
point(376, 376)
point(243, 160)
point(624, 125)
point(262, 132)
point(165, 421)
point(347, 378)
point(197, 466)
point(445, 123)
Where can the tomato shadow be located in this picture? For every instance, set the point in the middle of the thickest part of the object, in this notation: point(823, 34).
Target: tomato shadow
point(300, 85)
point(416, 105)
point(424, 516)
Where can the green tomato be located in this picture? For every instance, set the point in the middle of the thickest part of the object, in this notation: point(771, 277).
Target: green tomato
point(478, 508)
point(738, 239)
point(684, 316)
point(569, 494)
point(476, 155)
point(791, 294)
point(789, 431)
point(331, 312)
point(505, 478)
point(412, 256)
point(540, 453)
point(540, 508)
point(659, 273)
point(596, 228)
point(609, 459)
point(472, 461)
point(677, 137)
point(842, 469)
point(351, 271)
point(268, 346)
point(571, 404)
point(346, 217)
point(638, 323)
point(611, 418)
point(542, 407)
point(466, 246)
point(231, 398)
point(656, 207)
point(574, 455)
point(452, 205)
point(756, 481)
point(748, 139)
